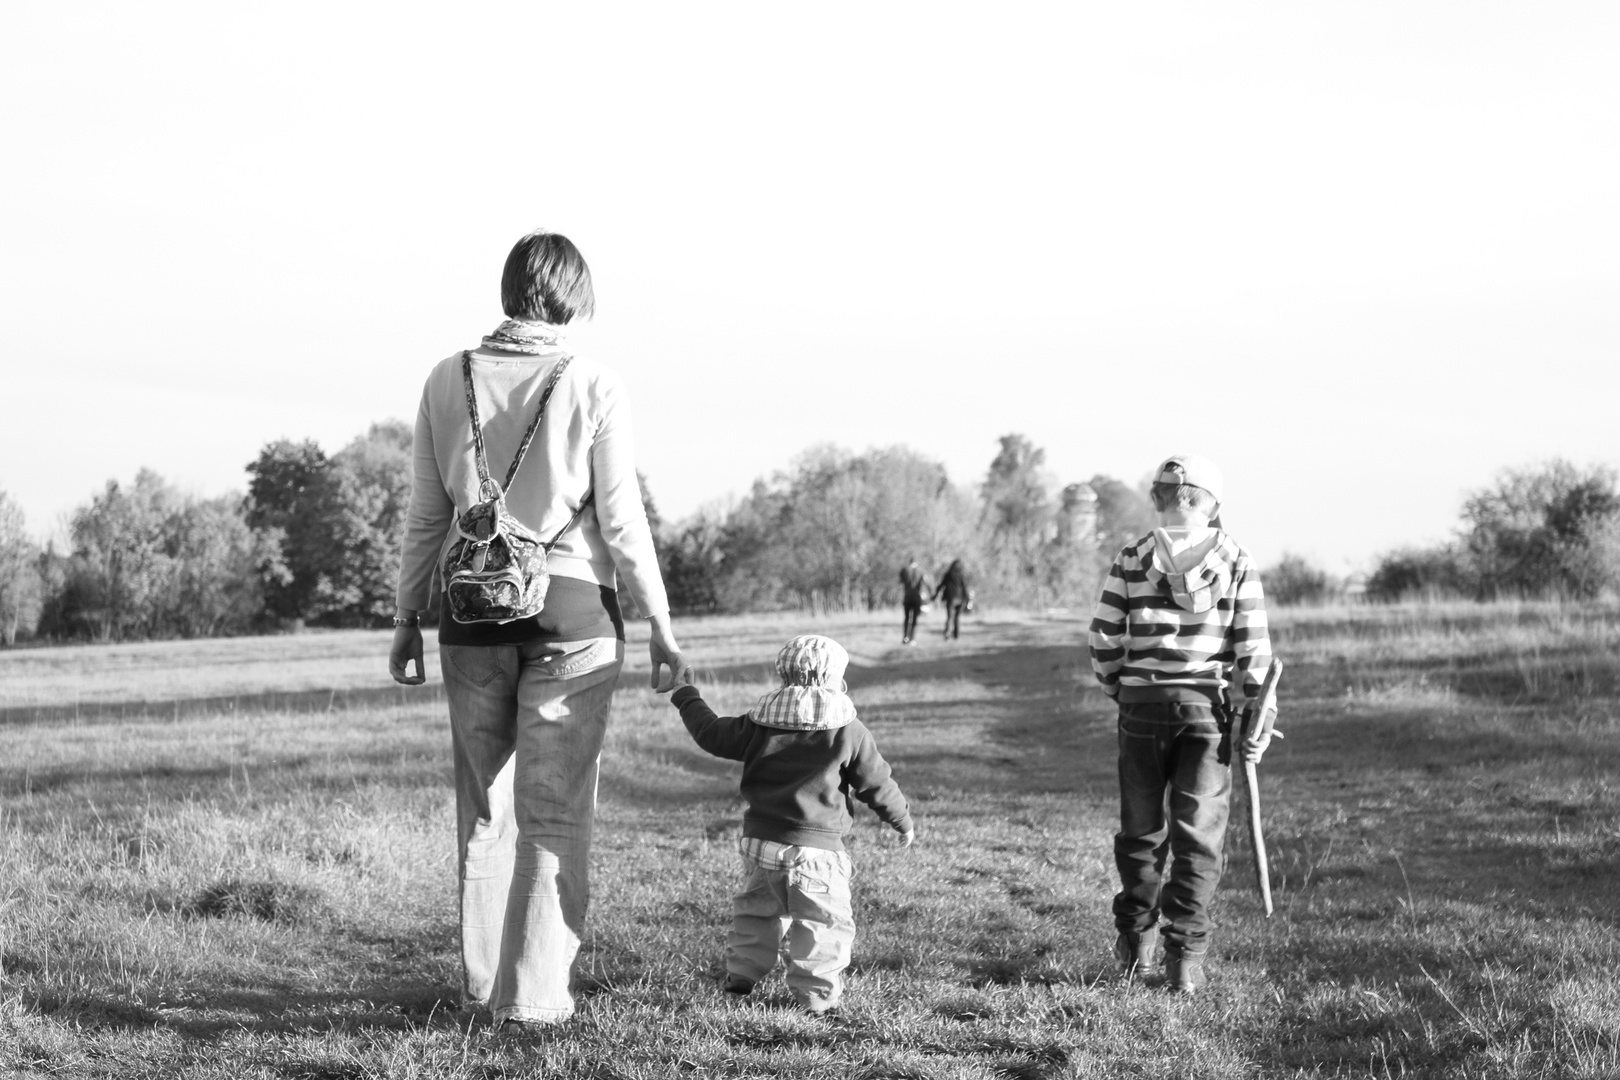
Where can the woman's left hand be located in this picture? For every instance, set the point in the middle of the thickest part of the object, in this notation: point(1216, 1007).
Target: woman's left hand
point(662, 650)
point(406, 648)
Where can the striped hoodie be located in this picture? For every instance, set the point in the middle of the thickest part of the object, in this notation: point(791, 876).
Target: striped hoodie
point(1175, 618)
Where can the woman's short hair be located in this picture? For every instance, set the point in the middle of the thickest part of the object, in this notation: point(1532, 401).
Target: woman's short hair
point(1183, 497)
point(546, 280)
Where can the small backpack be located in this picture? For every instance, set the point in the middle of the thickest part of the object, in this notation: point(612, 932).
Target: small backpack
point(495, 572)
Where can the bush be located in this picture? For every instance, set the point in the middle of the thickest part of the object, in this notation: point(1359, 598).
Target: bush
point(1295, 581)
point(1427, 573)
point(1548, 531)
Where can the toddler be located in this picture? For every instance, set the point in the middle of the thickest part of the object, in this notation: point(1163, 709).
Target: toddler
point(804, 756)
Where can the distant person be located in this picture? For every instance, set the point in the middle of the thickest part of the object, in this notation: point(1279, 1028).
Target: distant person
point(1179, 641)
point(530, 685)
point(953, 586)
point(804, 755)
point(912, 586)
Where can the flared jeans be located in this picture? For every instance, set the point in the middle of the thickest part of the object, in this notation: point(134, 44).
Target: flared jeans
point(526, 723)
point(1174, 798)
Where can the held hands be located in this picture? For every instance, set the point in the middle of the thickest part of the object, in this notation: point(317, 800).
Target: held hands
point(664, 653)
point(1259, 738)
point(407, 648)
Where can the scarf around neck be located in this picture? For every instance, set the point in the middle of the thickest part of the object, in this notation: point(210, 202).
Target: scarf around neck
point(520, 336)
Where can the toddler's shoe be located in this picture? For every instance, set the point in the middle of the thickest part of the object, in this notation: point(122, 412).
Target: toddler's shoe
point(1135, 951)
point(736, 984)
point(1184, 974)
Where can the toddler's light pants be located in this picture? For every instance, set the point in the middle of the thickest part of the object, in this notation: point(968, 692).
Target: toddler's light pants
point(794, 902)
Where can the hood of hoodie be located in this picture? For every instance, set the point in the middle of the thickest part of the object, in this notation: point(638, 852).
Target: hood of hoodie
point(1193, 567)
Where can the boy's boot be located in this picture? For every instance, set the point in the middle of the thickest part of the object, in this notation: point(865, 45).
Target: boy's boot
point(1184, 974)
point(1135, 951)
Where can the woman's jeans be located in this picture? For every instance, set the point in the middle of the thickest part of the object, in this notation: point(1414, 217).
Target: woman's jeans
point(1167, 758)
point(526, 724)
point(953, 618)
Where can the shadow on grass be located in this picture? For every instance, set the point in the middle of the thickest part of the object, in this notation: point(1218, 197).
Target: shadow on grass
point(396, 987)
point(389, 1004)
point(264, 779)
point(1034, 740)
point(277, 701)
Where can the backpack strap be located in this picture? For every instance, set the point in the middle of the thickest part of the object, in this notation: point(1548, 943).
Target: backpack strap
point(528, 436)
point(583, 503)
point(478, 430)
point(523, 447)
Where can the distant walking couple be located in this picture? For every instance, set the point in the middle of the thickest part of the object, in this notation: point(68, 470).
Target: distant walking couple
point(953, 586)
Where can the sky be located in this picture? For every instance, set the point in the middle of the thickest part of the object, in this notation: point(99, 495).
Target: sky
point(1364, 255)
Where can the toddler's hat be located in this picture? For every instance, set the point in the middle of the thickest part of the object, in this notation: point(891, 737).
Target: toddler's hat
point(811, 697)
point(812, 660)
point(1194, 469)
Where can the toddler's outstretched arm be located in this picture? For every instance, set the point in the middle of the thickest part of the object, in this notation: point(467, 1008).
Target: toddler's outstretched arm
point(722, 736)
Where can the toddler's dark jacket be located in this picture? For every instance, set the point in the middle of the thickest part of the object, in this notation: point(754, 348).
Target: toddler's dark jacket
point(798, 783)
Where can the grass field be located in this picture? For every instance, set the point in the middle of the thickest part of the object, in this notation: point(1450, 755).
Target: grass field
point(234, 859)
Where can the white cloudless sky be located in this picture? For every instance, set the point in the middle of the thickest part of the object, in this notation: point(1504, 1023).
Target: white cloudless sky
point(1364, 255)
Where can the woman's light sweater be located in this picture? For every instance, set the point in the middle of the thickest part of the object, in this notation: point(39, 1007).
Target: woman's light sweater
point(586, 434)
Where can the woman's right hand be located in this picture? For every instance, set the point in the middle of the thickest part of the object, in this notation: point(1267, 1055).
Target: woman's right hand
point(662, 651)
point(406, 648)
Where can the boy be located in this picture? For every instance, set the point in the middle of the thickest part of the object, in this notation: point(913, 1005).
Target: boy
point(804, 754)
point(1179, 641)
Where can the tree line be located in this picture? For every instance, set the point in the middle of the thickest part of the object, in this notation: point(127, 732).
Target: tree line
point(1551, 530)
point(832, 531)
point(315, 541)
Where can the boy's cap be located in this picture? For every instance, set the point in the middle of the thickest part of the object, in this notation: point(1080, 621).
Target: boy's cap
point(812, 660)
point(1194, 469)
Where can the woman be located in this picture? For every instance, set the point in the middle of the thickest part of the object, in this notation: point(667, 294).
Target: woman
point(529, 699)
point(953, 587)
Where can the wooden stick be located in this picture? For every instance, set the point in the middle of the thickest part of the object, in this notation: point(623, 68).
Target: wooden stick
point(1268, 691)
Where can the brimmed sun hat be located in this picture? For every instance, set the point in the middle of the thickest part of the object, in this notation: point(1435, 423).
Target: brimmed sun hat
point(812, 696)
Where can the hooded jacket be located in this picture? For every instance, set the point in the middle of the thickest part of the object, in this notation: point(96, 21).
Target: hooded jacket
point(1181, 618)
point(799, 781)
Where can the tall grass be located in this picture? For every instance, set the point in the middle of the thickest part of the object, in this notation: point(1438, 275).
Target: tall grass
point(234, 860)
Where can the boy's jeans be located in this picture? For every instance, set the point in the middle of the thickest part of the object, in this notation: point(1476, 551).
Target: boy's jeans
point(526, 725)
point(801, 893)
point(1170, 748)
